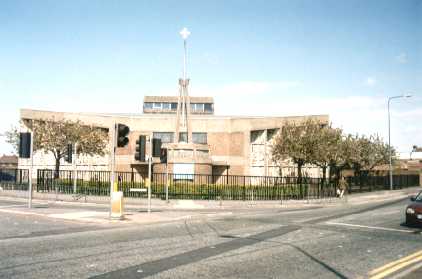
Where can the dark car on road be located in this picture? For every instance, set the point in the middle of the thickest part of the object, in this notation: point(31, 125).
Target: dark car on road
point(414, 210)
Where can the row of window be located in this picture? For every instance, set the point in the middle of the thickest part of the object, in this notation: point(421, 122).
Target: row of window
point(168, 137)
point(195, 107)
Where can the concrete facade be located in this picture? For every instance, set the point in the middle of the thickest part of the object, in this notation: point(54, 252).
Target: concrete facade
point(236, 145)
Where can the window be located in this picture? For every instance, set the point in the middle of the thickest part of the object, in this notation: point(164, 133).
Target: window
point(147, 105)
point(157, 105)
point(196, 107)
point(166, 106)
point(208, 107)
point(271, 134)
point(200, 107)
point(200, 138)
point(183, 137)
point(173, 106)
point(165, 137)
point(257, 136)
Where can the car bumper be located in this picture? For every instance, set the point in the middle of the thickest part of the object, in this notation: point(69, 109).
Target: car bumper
point(412, 219)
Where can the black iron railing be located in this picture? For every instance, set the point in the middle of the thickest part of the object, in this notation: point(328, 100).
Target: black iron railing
point(14, 179)
point(210, 187)
point(196, 186)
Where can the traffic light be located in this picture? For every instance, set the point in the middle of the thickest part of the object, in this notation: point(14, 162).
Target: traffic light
point(68, 155)
point(163, 155)
point(156, 147)
point(122, 133)
point(25, 145)
point(140, 148)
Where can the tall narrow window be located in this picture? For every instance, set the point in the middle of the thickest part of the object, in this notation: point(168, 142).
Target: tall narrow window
point(183, 137)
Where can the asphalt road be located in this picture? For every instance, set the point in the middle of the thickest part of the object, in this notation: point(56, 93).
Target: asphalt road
point(335, 242)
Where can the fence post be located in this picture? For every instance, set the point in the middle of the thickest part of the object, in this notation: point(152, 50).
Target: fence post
point(307, 185)
point(244, 188)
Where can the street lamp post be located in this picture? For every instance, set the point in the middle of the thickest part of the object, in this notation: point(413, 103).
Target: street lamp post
point(389, 137)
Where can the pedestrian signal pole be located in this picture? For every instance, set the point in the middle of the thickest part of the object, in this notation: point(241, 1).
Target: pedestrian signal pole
point(30, 170)
point(113, 161)
point(74, 167)
point(150, 172)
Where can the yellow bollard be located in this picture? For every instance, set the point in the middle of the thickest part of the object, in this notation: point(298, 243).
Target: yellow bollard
point(117, 205)
point(115, 187)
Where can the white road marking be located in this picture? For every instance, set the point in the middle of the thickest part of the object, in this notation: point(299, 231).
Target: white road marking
point(386, 213)
point(15, 205)
point(368, 227)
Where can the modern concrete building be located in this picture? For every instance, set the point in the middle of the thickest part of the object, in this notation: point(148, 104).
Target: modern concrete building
point(235, 145)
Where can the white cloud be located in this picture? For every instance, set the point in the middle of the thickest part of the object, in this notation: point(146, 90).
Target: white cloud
point(401, 58)
point(370, 81)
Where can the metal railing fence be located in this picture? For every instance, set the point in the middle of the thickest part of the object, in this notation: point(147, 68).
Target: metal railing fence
point(196, 186)
point(14, 179)
point(211, 187)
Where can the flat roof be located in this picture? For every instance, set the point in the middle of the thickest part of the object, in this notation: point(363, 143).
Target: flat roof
point(25, 113)
point(174, 99)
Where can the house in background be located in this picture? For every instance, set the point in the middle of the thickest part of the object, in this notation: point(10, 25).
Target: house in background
point(9, 162)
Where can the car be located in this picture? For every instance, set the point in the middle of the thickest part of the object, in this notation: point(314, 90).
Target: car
point(414, 211)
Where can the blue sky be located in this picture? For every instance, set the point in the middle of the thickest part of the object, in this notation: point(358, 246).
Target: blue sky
point(342, 58)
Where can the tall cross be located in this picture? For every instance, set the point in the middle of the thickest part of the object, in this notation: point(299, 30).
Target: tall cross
point(185, 33)
point(183, 103)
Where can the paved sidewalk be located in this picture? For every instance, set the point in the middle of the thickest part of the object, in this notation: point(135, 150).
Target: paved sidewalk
point(136, 209)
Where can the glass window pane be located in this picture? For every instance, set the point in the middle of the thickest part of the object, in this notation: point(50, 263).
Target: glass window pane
point(193, 107)
point(183, 137)
point(148, 105)
point(208, 107)
point(200, 138)
point(166, 105)
point(257, 136)
point(173, 106)
point(271, 133)
point(157, 105)
point(166, 137)
point(200, 107)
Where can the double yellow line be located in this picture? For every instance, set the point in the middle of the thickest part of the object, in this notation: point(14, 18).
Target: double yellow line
point(395, 266)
